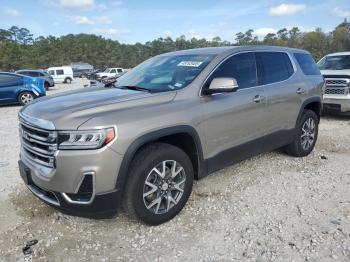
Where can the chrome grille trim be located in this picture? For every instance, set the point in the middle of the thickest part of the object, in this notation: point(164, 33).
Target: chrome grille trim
point(39, 145)
point(337, 86)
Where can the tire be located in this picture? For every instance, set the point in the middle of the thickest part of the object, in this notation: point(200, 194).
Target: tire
point(47, 86)
point(144, 186)
point(305, 135)
point(68, 80)
point(25, 98)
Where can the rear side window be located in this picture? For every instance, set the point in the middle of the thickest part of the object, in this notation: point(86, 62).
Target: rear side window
point(8, 78)
point(119, 70)
point(242, 67)
point(59, 72)
point(273, 67)
point(307, 64)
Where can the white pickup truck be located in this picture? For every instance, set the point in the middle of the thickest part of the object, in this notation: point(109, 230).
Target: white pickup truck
point(335, 69)
point(110, 72)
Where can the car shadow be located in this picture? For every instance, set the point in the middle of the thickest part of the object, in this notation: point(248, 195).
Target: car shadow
point(336, 115)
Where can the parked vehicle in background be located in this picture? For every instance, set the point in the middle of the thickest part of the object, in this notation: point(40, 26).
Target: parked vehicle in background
point(93, 74)
point(106, 81)
point(174, 118)
point(110, 72)
point(81, 72)
point(63, 74)
point(81, 69)
point(335, 69)
point(48, 80)
point(16, 88)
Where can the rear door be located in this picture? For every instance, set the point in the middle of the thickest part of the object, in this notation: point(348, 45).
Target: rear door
point(277, 74)
point(9, 86)
point(233, 119)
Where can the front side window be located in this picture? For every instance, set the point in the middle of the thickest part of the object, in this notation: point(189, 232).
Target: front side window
point(113, 71)
point(166, 72)
point(273, 67)
point(341, 62)
point(59, 72)
point(33, 74)
point(52, 72)
point(242, 67)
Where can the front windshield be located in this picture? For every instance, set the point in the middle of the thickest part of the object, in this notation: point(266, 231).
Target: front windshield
point(334, 62)
point(107, 70)
point(165, 73)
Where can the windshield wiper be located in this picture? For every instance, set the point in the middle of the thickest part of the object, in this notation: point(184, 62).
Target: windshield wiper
point(138, 88)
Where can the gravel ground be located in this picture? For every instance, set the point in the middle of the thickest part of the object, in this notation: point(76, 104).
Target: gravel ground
point(270, 208)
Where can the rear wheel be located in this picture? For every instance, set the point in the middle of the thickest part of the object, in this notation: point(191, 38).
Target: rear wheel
point(305, 136)
point(159, 183)
point(25, 98)
point(47, 86)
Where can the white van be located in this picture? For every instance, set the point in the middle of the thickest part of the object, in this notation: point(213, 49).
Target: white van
point(62, 74)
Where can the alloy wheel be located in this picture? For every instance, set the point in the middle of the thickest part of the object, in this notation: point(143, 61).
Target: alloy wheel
point(164, 186)
point(26, 98)
point(308, 132)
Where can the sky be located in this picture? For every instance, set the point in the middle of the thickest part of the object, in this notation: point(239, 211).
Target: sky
point(131, 21)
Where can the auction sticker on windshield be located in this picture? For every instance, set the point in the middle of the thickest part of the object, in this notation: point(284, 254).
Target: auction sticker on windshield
point(190, 63)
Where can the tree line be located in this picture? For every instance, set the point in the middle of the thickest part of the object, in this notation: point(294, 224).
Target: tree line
point(20, 49)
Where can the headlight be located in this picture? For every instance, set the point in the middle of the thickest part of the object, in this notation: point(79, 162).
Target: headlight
point(85, 139)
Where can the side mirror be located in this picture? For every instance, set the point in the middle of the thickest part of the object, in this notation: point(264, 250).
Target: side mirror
point(222, 85)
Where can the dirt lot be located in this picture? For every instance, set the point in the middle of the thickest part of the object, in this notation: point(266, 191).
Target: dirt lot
point(271, 207)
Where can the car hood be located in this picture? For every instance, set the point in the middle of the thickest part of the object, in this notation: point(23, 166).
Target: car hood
point(68, 110)
point(336, 72)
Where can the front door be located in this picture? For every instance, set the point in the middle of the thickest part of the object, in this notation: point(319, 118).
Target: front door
point(234, 119)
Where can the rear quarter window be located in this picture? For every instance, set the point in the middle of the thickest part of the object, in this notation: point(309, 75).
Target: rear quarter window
point(8, 78)
point(307, 64)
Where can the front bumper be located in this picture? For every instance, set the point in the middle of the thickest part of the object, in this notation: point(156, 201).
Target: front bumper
point(336, 102)
point(103, 205)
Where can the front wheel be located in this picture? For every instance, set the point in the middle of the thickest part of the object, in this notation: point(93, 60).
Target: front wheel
point(305, 136)
point(159, 183)
point(68, 80)
point(25, 98)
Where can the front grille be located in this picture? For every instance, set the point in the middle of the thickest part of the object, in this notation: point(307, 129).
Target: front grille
point(40, 145)
point(336, 82)
point(336, 86)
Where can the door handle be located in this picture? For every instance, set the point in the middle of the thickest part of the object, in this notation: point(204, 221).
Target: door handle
point(300, 91)
point(258, 99)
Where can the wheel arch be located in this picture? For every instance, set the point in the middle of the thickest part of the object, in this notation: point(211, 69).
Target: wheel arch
point(185, 137)
point(312, 103)
point(21, 91)
point(67, 77)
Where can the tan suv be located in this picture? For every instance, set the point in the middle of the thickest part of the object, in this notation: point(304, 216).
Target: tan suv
point(174, 118)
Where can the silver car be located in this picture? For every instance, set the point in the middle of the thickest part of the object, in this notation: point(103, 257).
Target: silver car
point(174, 118)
